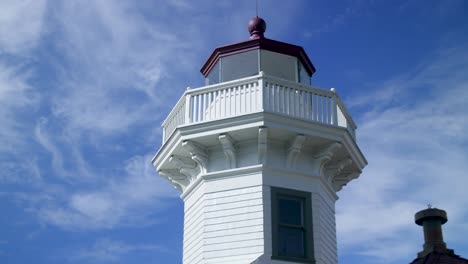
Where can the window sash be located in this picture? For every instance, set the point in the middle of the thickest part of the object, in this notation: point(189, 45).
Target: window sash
point(306, 226)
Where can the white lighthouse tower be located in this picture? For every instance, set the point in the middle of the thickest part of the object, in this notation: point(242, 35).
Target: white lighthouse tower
point(258, 155)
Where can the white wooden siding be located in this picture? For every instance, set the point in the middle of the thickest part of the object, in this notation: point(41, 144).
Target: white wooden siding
point(223, 226)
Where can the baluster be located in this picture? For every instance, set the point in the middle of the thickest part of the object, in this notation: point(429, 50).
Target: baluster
point(243, 99)
point(273, 98)
point(194, 109)
point(297, 103)
point(269, 95)
point(228, 101)
point(286, 100)
point(313, 106)
point(217, 104)
point(236, 100)
point(327, 109)
point(232, 93)
point(322, 109)
point(247, 97)
point(198, 108)
point(255, 95)
point(225, 98)
point(204, 107)
point(277, 98)
point(291, 93)
point(187, 108)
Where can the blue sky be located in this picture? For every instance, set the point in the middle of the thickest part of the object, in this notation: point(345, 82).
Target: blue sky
point(85, 85)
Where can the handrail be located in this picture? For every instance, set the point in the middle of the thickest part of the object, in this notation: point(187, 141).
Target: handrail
point(259, 93)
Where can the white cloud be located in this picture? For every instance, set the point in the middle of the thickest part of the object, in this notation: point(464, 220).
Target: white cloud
point(21, 25)
point(123, 200)
point(15, 95)
point(120, 60)
point(107, 250)
point(417, 155)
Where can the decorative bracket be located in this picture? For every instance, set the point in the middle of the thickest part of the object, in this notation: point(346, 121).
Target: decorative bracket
point(229, 150)
point(324, 156)
point(334, 170)
point(262, 144)
point(198, 153)
point(185, 166)
point(179, 181)
point(341, 181)
point(294, 151)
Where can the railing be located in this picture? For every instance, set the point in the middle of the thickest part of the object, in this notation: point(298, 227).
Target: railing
point(255, 94)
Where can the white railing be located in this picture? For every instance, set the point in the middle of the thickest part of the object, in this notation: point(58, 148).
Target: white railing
point(255, 94)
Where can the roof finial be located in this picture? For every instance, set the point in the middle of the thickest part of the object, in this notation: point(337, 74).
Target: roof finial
point(256, 8)
point(257, 27)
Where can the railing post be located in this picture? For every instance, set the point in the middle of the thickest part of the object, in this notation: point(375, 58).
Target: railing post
point(261, 87)
point(188, 107)
point(334, 108)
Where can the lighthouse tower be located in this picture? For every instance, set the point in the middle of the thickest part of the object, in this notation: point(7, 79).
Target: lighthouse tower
point(258, 155)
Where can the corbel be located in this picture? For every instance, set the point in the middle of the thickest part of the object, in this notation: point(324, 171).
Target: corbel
point(324, 156)
point(229, 150)
point(179, 181)
point(186, 167)
point(262, 144)
point(198, 154)
point(294, 150)
point(339, 182)
point(333, 170)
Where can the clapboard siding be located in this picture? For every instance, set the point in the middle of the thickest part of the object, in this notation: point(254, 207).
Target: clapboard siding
point(325, 230)
point(193, 227)
point(243, 258)
point(233, 225)
point(237, 231)
point(234, 252)
point(223, 226)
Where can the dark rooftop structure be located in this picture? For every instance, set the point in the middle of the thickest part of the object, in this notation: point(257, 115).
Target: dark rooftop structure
point(249, 57)
point(435, 250)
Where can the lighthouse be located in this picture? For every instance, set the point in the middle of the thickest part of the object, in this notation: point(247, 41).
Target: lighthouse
point(258, 155)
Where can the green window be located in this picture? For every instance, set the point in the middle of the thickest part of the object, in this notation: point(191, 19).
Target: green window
point(291, 225)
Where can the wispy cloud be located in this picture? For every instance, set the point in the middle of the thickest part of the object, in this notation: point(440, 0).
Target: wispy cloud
point(21, 25)
point(417, 155)
point(15, 96)
point(106, 250)
point(127, 199)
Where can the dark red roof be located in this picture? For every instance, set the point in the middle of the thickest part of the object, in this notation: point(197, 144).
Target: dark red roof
point(440, 258)
point(258, 43)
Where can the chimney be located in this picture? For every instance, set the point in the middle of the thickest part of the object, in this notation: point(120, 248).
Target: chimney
point(431, 220)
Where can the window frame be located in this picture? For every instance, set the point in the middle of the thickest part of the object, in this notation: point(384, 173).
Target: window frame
point(276, 194)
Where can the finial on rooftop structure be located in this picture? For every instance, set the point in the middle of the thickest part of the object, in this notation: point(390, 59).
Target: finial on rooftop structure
point(432, 219)
point(257, 26)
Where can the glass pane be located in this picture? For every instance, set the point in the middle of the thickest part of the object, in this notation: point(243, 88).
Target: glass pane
point(240, 65)
point(304, 77)
point(291, 242)
point(213, 76)
point(290, 211)
point(278, 65)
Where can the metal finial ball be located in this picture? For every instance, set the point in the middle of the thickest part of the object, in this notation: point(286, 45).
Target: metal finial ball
point(257, 26)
